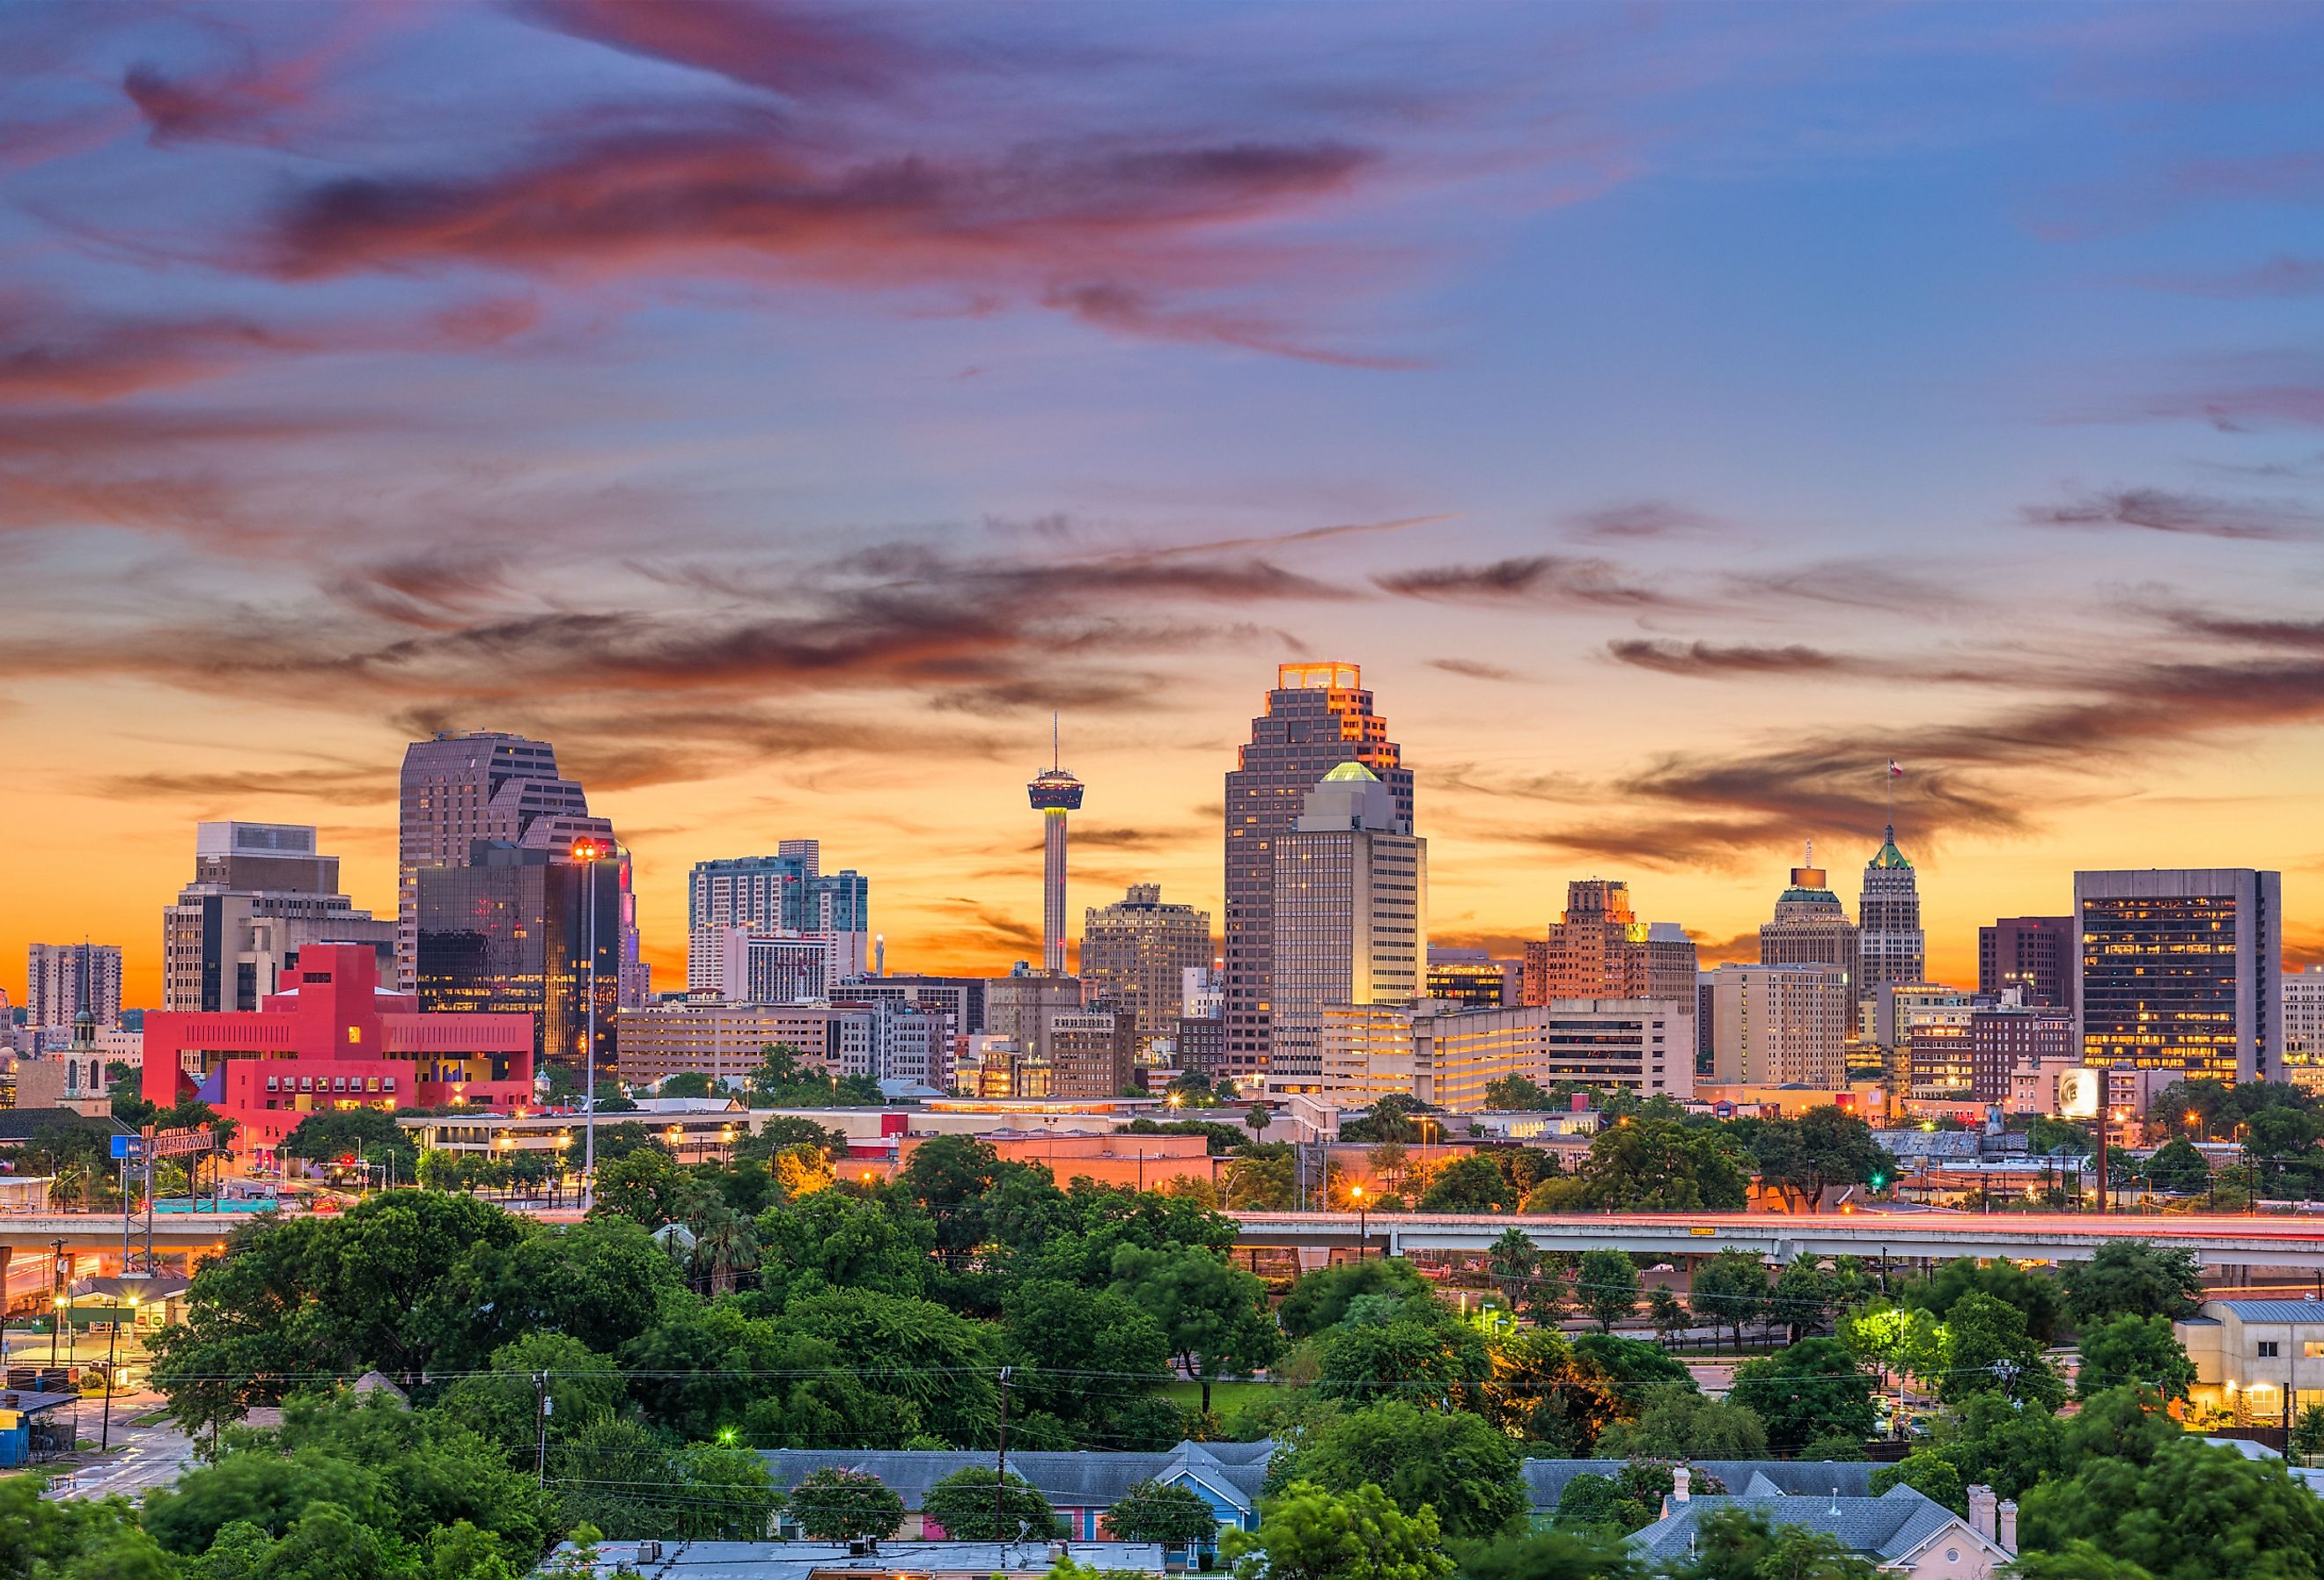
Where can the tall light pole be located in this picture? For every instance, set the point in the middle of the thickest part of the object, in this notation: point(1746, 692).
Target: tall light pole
point(104, 1438)
point(588, 853)
point(1363, 1222)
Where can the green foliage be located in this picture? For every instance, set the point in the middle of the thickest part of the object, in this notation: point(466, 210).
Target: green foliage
point(1812, 1390)
point(1740, 1544)
point(1176, 1515)
point(1214, 1314)
point(784, 1080)
point(2077, 1560)
point(2133, 1278)
point(1084, 1356)
point(2187, 1511)
point(1394, 1118)
point(2039, 1295)
point(1470, 1183)
point(1653, 1163)
point(502, 1405)
point(1627, 1367)
point(1628, 1500)
point(1606, 1285)
point(1321, 1298)
point(1447, 1460)
point(964, 1503)
point(329, 1134)
point(1307, 1533)
point(1821, 1149)
point(1929, 1474)
point(2137, 1349)
point(1531, 1554)
point(1542, 1391)
point(1989, 1350)
point(2178, 1167)
point(1730, 1290)
point(1517, 1094)
point(1674, 1422)
point(631, 1481)
point(837, 1504)
point(1425, 1353)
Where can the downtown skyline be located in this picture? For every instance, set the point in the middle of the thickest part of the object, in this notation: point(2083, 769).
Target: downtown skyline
point(1677, 415)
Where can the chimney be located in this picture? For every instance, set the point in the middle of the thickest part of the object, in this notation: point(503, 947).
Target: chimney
point(1981, 1512)
point(2006, 1532)
point(1680, 1478)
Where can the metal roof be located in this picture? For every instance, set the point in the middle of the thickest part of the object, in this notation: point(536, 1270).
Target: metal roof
point(2275, 1310)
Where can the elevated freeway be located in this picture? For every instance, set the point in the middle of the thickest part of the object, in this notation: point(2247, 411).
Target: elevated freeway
point(2216, 1241)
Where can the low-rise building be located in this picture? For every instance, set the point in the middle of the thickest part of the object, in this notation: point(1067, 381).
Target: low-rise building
point(1141, 1161)
point(1902, 1531)
point(2260, 1360)
point(728, 1042)
point(1450, 1056)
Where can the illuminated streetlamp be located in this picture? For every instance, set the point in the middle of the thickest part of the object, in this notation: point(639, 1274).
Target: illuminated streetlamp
point(673, 1135)
point(1363, 1222)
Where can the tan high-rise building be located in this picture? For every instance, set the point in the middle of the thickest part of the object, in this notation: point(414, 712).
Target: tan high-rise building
point(1135, 955)
point(1780, 1025)
point(1599, 948)
point(1351, 908)
point(1811, 928)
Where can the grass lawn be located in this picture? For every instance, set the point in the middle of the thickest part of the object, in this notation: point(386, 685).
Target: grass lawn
point(1226, 1398)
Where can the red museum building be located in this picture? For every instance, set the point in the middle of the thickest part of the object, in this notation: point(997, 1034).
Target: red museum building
point(333, 1038)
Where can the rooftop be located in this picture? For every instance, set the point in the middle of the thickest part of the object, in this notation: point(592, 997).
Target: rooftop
point(2306, 1310)
point(1886, 1527)
point(797, 1560)
point(1346, 772)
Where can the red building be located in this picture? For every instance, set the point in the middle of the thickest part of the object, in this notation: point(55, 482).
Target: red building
point(333, 1038)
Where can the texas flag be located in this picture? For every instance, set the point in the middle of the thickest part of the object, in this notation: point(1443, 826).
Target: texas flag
point(1895, 772)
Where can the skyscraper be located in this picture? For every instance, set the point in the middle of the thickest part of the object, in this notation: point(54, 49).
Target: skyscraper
point(1318, 716)
point(1054, 793)
point(512, 930)
point(1890, 946)
point(1350, 917)
point(2180, 970)
point(1780, 1025)
point(1811, 928)
point(460, 787)
point(1135, 955)
point(2034, 954)
point(261, 893)
point(63, 979)
point(769, 895)
point(1600, 949)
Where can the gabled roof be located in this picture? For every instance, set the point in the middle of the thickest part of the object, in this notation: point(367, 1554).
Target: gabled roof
point(1901, 1520)
point(1546, 1479)
point(1078, 1479)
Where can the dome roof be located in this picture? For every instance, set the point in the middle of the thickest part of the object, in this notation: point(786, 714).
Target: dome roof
point(1346, 771)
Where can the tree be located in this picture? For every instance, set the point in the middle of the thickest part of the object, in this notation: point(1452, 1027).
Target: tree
point(2138, 1350)
point(837, 1504)
point(329, 1134)
point(1429, 1355)
point(2039, 1295)
point(1740, 1544)
point(1603, 1504)
point(1517, 1094)
point(1514, 1262)
point(2178, 1167)
point(964, 1504)
point(1214, 1313)
point(1173, 1516)
point(1659, 1164)
point(1665, 1312)
point(1321, 1298)
point(1084, 1356)
point(1730, 1290)
point(1446, 1460)
point(1812, 1390)
point(1676, 1422)
point(687, 1084)
point(2077, 1560)
point(1257, 1120)
point(1928, 1473)
point(2133, 1278)
point(1607, 1284)
point(1541, 1392)
point(1988, 1348)
point(1531, 1554)
point(1802, 1299)
point(503, 1404)
point(2307, 1432)
point(1472, 1184)
point(646, 1187)
point(1307, 1533)
point(2186, 1510)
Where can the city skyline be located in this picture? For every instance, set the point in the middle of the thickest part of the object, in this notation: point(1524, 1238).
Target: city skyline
point(1678, 415)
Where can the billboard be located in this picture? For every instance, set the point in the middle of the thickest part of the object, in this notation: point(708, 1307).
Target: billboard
point(2079, 1092)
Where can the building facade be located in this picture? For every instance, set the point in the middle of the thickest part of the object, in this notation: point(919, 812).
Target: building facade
point(514, 932)
point(1809, 928)
point(1021, 1005)
point(1317, 717)
point(333, 1038)
point(1473, 978)
point(1599, 948)
point(759, 967)
point(1350, 914)
point(261, 893)
point(2179, 969)
point(1890, 946)
point(1135, 955)
point(64, 979)
point(2303, 1028)
point(729, 1041)
point(1448, 1055)
point(1780, 1025)
point(787, 893)
point(959, 999)
point(2009, 1036)
point(2033, 953)
point(1092, 1054)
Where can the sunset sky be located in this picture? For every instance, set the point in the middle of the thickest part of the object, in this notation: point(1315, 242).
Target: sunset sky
point(1678, 411)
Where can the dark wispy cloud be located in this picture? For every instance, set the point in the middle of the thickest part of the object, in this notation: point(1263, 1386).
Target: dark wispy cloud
point(1642, 520)
point(1545, 580)
point(2157, 510)
point(1704, 658)
point(1474, 670)
point(799, 51)
point(349, 785)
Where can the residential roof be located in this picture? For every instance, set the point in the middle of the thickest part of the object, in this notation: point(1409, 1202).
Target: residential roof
point(797, 1560)
point(1546, 1479)
point(1889, 1526)
point(1078, 1479)
point(2272, 1310)
point(22, 1125)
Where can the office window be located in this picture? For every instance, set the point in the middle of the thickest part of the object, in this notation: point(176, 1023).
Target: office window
point(2268, 1349)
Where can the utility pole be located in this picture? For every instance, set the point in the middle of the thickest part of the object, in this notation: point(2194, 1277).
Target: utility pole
point(541, 1452)
point(1000, 1464)
point(56, 1299)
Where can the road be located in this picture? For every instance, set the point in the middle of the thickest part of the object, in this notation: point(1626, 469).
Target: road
point(142, 1457)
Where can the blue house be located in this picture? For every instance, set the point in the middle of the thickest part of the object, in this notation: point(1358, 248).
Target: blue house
point(34, 1426)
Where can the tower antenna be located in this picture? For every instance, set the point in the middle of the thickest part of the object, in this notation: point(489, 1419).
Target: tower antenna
point(1056, 756)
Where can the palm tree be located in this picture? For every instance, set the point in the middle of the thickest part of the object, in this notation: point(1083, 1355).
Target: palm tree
point(724, 1244)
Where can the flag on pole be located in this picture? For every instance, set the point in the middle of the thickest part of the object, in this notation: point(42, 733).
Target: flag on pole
point(1895, 772)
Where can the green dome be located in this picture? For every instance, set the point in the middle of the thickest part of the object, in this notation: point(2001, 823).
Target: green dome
point(1346, 771)
point(1888, 855)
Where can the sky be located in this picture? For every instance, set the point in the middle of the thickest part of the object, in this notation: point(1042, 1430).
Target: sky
point(1677, 411)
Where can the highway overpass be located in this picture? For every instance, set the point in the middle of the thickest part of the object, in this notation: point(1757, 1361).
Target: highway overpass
point(27, 1240)
point(2216, 1241)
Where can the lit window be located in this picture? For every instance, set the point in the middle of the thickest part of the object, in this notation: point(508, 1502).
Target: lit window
point(354, 1034)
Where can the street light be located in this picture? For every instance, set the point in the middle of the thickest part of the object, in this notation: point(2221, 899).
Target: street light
point(673, 1135)
point(104, 1438)
point(588, 851)
point(1363, 1222)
